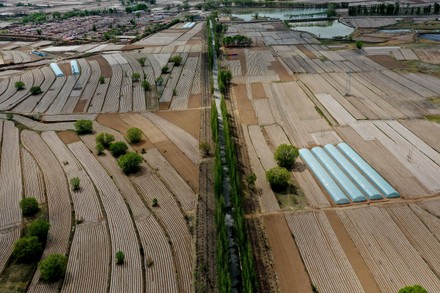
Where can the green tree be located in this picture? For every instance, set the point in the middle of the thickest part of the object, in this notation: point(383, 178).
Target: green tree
point(120, 257)
point(285, 155)
point(94, 28)
point(278, 178)
point(99, 149)
point(101, 79)
point(413, 289)
point(75, 183)
point(250, 179)
point(135, 76)
point(134, 135)
point(130, 162)
point(165, 69)
point(39, 228)
point(53, 268)
point(145, 85)
point(83, 126)
point(19, 85)
point(155, 202)
point(35, 90)
point(118, 148)
point(29, 206)
point(105, 139)
point(142, 61)
point(27, 249)
point(331, 10)
point(177, 60)
point(359, 44)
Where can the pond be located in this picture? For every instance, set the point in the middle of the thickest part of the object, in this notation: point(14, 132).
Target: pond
point(323, 29)
point(281, 14)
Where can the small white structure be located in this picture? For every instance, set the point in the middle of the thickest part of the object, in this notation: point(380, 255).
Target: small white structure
point(56, 69)
point(75, 67)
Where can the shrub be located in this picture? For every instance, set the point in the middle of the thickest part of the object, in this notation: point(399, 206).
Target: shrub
point(155, 202)
point(251, 178)
point(29, 206)
point(413, 289)
point(174, 92)
point(159, 81)
point(142, 61)
point(120, 257)
point(83, 126)
point(39, 228)
point(118, 148)
point(19, 85)
point(101, 79)
point(359, 44)
point(278, 178)
point(75, 183)
point(129, 163)
point(285, 155)
point(53, 267)
point(177, 60)
point(99, 149)
point(105, 139)
point(135, 77)
point(9, 116)
point(205, 147)
point(134, 135)
point(35, 90)
point(165, 69)
point(27, 249)
point(145, 85)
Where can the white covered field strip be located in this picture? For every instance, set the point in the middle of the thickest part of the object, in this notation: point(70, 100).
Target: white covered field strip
point(111, 102)
point(261, 148)
point(10, 176)
point(419, 158)
point(172, 179)
point(90, 87)
point(63, 95)
point(392, 259)
point(32, 124)
point(183, 88)
point(138, 91)
point(187, 143)
point(160, 276)
point(33, 180)
point(417, 233)
point(126, 98)
point(326, 262)
point(79, 86)
point(10, 90)
point(3, 86)
point(28, 79)
point(267, 197)
point(262, 110)
point(58, 200)
point(427, 81)
point(122, 231)
point(50, 95)
point(276, 135)
point(99, 96)
point(172, 219)
point(335, 109)
point(68, 117)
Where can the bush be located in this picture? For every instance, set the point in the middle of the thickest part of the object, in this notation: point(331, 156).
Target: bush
point(27, 249)
point(53, 267)
point(99, 149)
point(118, 148)
point(205, 147)
point(129, 163)
point(120, 257)
point(135, 77)
point(278, 178)
point(19, 85)
point(75, 183)
point(9, 116)
point(359, 44)
point(39, 228)
point(101, 79)
point(105, 139)
point(413, 289)
point(84, 126)
point(285, 155)
point(29, 206)
point(142, 61)
point(251, 178)
point(165, 69)
point(134, 135)
point(155, 202)
point(177, 60)
point(145, 85)
point(35, 90)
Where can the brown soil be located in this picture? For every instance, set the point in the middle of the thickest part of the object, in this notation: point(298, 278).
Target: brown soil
point(194, 101)
point(306, 51)
point(193, 42)
point(132, 47)
point(106, 69)
point(245, 107)
point(242, 59)
point(280, 71)
point(290, 269)
point(164, 105)
point(357, 262)
point(258, 91)
point(68, 136)
point(387, 61)
point(279, 26)
point(79, 107)
point(193, 54)
point(112, 120)
point(65, 67)
point(188, 120)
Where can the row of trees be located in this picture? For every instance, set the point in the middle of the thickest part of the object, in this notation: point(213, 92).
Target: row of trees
point(392, 9)
point(237, 41)
point(34, 90)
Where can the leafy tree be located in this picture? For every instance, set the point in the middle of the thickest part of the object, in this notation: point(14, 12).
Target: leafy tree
point(285, 155)
point(27, 249)
point(83, 126)
point(118, 148)
point(120, 257)
point(165, 69)
point(135, 76)
point(134, 135)
point(39, 228)
point(177, 60)
point(145, 85)
point(29, 206)
point(35, 90)
point(75, 183)
point(359, 44)
point(53, 268)
point(19, 85)
point(251, 178)
point(278, 178)
point(155, 202)
point(142, 61)
point(9, 116)
point(94, 28)
point(101, 79)
point(159, 81)
point(99, 149)
point(413, 289)
point(105, 139)
point(331, 10)
point(130, 162)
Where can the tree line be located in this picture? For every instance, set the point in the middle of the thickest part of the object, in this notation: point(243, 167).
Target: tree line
point(393, 9)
